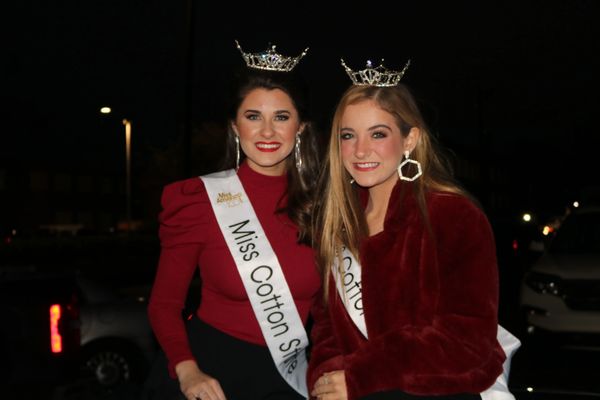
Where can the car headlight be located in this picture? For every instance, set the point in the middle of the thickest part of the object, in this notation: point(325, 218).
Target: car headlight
point(544, 283)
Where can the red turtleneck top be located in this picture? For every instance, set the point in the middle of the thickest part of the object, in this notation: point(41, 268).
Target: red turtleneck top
point(190, 238)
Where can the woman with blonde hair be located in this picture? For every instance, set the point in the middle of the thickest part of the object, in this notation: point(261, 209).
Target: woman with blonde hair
point(408, 261)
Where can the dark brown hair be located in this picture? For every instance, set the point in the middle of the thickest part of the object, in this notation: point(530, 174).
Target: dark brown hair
point(301, 185)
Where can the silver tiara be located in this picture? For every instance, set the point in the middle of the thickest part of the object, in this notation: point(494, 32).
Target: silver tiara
point(270, 60)
point(379, 76)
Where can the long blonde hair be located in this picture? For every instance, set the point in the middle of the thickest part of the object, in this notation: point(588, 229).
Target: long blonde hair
point(339, 219)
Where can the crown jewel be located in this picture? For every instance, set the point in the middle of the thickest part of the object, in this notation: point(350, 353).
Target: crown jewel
point(379, 76)
point(270, 60)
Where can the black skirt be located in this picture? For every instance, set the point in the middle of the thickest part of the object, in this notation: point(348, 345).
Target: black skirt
point(244, 370)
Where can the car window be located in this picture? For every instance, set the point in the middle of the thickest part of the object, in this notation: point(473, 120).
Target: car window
point(579, 233)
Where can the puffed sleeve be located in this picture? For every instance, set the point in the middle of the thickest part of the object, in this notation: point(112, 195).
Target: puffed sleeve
point(325, 354)
point(182, 221)
point(455, 349)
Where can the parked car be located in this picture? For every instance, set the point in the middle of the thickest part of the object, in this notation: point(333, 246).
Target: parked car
point(40, 330)
point(117, 343)
point(560, 294)
point(110, 277)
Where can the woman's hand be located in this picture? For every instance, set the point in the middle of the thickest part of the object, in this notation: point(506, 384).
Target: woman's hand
point(331, 386)
point(195, 384)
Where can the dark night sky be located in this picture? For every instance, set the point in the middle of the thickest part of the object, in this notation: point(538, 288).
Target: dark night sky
point(508, 81)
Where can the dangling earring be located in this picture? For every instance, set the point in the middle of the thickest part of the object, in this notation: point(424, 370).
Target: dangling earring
point(409, 161)
point(352, 181)
point(297, 154)
point(237, 151)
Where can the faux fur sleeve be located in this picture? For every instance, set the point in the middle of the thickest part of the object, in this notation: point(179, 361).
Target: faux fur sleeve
point(325, 354)
point(437, 302)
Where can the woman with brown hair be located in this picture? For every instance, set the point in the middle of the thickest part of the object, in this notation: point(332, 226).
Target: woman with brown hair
point(244, 230)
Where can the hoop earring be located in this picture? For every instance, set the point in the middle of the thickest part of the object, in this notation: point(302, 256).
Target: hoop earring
point(297, 154)
point(406, 161)
point(237, 151)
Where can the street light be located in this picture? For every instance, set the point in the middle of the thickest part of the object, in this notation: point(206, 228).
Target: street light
point(127, 124)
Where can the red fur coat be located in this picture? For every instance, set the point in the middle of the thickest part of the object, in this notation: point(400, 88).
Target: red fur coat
point(430, 302)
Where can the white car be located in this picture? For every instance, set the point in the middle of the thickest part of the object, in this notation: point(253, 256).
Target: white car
point(561, 292)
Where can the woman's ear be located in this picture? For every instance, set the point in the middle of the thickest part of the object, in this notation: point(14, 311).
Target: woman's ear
point(302, 127)
point(412, 139)
point(234, 128)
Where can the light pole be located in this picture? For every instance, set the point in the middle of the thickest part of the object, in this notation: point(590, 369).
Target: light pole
point(127, 124)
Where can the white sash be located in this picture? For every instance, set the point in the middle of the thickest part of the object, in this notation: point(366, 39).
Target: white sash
point(350, 290)
point(262, 276)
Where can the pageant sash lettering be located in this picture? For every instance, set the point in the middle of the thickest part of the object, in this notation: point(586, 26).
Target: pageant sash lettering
point(262, 276)
point(350, 290)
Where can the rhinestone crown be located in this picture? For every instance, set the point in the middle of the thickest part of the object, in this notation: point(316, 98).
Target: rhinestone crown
point(379, 76)
point(270, 60)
